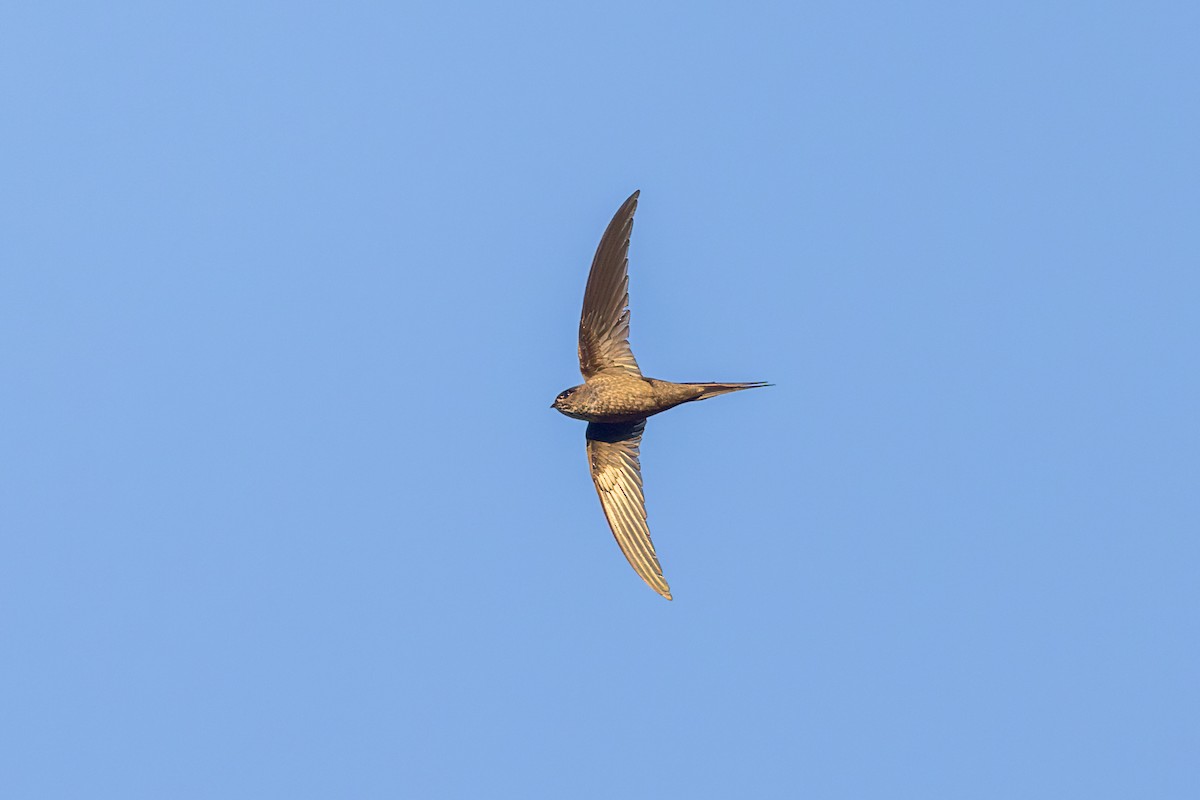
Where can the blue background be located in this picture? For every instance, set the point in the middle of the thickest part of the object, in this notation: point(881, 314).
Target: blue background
point(287, 289)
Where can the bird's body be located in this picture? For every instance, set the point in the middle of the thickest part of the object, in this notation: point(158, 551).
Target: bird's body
point(616, 399)
point(620, 396)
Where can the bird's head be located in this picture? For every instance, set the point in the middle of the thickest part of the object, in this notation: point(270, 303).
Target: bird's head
point(568, 403)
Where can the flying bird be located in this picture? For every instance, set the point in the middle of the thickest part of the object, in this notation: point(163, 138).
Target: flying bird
point(615, 398)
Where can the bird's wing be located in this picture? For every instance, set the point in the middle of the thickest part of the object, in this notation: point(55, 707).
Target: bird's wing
point(613, 456)
point(604, 325)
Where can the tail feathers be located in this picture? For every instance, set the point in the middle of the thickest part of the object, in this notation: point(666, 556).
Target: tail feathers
point(708, 390)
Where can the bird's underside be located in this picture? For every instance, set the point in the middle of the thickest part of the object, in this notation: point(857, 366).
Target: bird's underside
point(616, 398)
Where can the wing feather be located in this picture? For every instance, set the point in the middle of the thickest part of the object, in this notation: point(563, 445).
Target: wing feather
point(613, 455)
point(604, 324)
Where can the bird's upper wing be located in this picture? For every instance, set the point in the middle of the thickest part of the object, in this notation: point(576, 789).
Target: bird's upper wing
point(604, 325)
point(613, 456)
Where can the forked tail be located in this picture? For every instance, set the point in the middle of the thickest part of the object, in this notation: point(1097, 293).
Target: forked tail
point(708, 390)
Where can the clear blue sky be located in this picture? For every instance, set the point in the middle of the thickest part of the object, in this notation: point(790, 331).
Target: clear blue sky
point(286, 292)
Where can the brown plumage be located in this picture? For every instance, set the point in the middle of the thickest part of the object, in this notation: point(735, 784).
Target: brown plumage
point(615, 398)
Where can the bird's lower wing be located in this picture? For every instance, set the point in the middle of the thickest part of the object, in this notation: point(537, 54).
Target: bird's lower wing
point(617, 472)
